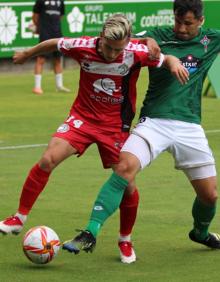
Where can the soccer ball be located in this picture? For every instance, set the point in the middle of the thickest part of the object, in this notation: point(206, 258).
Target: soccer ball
point(41, 244)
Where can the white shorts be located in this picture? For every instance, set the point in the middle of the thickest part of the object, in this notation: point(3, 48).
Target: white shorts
point(185, 141)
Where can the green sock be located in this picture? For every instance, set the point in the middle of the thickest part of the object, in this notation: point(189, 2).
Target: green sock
point(107, 202)
point(203, 216)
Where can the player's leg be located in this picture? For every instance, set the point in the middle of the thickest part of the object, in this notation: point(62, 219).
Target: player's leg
point(204, 206)
point(129, 203)
point(58, 150)
point(147, 142)
point(193, 155)
point(58, 70)
point(110, 195)
point(38, 69)
point(128, 213)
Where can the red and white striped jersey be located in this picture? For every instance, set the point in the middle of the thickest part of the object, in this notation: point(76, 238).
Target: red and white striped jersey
point(107, 90)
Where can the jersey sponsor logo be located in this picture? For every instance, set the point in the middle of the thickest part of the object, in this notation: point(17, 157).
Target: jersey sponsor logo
point(191, 63)
point(106, 85)
point(119, 69)
point(52, 12)
point(52, 3)
point(137, 47)
point(205, 42)
point(119, 145)
point(143, 119)
point(107, 99)
point(71, 43)
point(52, 6)
point(170, 42)
point(63, 128)
point(126, 127)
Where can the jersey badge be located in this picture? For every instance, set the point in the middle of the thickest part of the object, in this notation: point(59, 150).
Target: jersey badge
point(123, 69)
point(205, 42)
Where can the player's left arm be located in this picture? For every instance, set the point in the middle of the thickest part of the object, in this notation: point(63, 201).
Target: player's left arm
point(174, 65)
point(41, 48)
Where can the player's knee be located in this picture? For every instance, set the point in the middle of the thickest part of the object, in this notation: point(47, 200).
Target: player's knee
point(131, 188)
point(47, 162)
point(122, 168)
point(125, 170)
point(212, 198)
point(40, 60)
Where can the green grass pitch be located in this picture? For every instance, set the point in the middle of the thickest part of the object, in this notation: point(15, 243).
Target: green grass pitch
point(160, 236)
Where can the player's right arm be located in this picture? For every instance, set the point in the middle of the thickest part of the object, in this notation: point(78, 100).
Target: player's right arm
point(41, 48)
point(153, 47)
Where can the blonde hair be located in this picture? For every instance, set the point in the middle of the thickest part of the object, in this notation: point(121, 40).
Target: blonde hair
point(116, 27)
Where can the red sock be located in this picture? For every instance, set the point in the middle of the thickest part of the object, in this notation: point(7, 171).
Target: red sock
point(128, 212)
point(33, 186)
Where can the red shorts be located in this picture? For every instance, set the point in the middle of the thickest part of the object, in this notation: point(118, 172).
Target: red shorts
point(81, 134)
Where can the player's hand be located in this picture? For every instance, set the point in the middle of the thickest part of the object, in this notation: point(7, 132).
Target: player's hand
point(153, 47)
point(19, 57)
point(176, 68)
point(181, 73)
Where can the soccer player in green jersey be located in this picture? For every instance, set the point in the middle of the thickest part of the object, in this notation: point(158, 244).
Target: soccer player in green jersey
point(169, 121)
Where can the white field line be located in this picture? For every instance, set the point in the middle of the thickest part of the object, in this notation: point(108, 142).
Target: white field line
point(212, 131)
point(22, 147)
point(44, 145)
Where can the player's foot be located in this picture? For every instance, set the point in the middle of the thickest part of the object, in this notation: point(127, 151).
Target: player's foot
point(12, 225)
point(63, 89)
point(37, 91)
point(212, 240)
point(84, 241)
point(127, 253)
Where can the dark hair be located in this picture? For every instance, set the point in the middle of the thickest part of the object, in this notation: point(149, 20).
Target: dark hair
point(181, 7)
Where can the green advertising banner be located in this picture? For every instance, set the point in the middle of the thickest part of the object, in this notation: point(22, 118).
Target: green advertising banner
point(87, 18)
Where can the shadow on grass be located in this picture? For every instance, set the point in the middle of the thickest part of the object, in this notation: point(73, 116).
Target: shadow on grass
point(37, 267)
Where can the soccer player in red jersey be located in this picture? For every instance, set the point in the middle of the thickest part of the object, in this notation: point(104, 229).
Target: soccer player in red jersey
point(102, 113)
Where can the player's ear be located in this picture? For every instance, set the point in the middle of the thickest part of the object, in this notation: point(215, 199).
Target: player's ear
point(202, 20)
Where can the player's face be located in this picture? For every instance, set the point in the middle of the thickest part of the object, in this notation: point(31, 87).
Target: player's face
point(111, 49)
point(187, 27)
